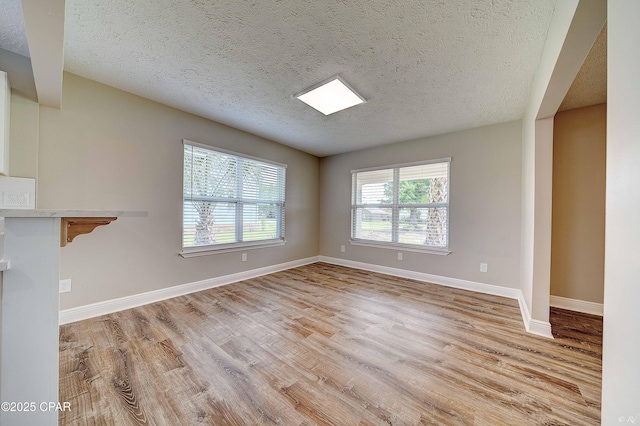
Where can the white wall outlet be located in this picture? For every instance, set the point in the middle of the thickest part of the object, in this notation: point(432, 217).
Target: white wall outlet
point(342, 249)
point(244, 257)
point(399, 256)
point(483, 267)
point(65, 286)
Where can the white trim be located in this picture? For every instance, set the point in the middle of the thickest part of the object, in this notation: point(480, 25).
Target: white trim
point(532, 326)
point(238, 200)
point(495, 290)
point(394, 166)
point(226, 151)
point(583, 306)
point(227, 248)
point(537, 327)
point(109, 306)
point(402, 247)
point(79, 313)
point(524, 311)
point(395, 204)
point(540, 328)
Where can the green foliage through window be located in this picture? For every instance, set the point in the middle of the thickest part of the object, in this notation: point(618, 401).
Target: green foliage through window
point(402, 205)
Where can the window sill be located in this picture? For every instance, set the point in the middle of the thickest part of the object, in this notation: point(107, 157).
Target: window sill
point(404, 247)
point(209, 250)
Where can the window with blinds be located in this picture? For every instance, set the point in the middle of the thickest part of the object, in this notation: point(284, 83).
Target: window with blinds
point(404, 205)
point(230, 200)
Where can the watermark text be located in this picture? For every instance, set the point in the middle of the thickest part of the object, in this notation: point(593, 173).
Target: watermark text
point(31, 406)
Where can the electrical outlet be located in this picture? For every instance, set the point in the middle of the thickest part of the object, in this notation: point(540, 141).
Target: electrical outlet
point(342, 249)
point(483, 267)
point(65, 286)
point(244, 257)
point(399, 256)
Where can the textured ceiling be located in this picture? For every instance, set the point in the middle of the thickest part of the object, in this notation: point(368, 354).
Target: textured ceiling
point(590, 85)
point(425, 67)
point(13, 36)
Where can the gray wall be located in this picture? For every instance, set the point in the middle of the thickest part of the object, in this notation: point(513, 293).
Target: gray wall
point(485, 204)
point(25, 127)
point(107, 149)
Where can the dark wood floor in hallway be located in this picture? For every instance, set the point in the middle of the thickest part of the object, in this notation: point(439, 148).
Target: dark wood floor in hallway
point(324, 344)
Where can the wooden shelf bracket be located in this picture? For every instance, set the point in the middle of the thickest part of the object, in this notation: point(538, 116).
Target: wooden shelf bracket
point(71, 227)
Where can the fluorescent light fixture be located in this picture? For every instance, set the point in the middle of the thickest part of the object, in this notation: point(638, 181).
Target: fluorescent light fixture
point(331, 95)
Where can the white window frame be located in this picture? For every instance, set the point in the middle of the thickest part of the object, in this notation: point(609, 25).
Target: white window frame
point(203, 250)
point(395, 208)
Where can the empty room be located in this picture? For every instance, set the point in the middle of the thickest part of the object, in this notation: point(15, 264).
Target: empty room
point(334, 212)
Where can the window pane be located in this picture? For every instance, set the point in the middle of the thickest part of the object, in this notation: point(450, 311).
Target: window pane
point(423, 226)
point(260, 222)
point(262, 181)
point(424, 184)
point(372, 224)
point(374, 187)
point(229, 198)
point(209, 174)
point(187, 170)
point(206, 223)
point(414, 191)
point(403, 205)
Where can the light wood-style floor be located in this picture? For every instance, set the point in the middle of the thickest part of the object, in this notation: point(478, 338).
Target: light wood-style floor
point(323, 344)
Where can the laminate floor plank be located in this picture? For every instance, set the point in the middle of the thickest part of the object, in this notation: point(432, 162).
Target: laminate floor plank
point(329, 345)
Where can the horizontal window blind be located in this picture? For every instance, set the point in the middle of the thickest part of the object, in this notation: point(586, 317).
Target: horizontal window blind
point(229, 199)
point(402, 205)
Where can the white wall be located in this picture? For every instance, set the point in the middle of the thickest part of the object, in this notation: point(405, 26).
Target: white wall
point(107, 149)
point(621, 349)
point(534, 144)
point(574, 28)
point(485, 204)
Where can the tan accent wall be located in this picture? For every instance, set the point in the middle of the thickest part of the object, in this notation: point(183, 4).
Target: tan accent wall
point(577, 241)
point(108, 149)
point(485, 204)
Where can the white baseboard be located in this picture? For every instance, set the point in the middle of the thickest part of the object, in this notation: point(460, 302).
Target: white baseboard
point(495, 290)
point(67, 316)
point(533, 326)
point(128, 302)
point(540, 328)
point(577, 305)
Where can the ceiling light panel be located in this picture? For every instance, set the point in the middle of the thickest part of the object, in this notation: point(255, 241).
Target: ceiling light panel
point(331, 96)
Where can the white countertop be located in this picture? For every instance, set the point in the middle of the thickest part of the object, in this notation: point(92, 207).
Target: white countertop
point(37, 213)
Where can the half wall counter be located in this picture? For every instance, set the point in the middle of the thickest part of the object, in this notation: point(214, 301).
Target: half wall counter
point(30, 306)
